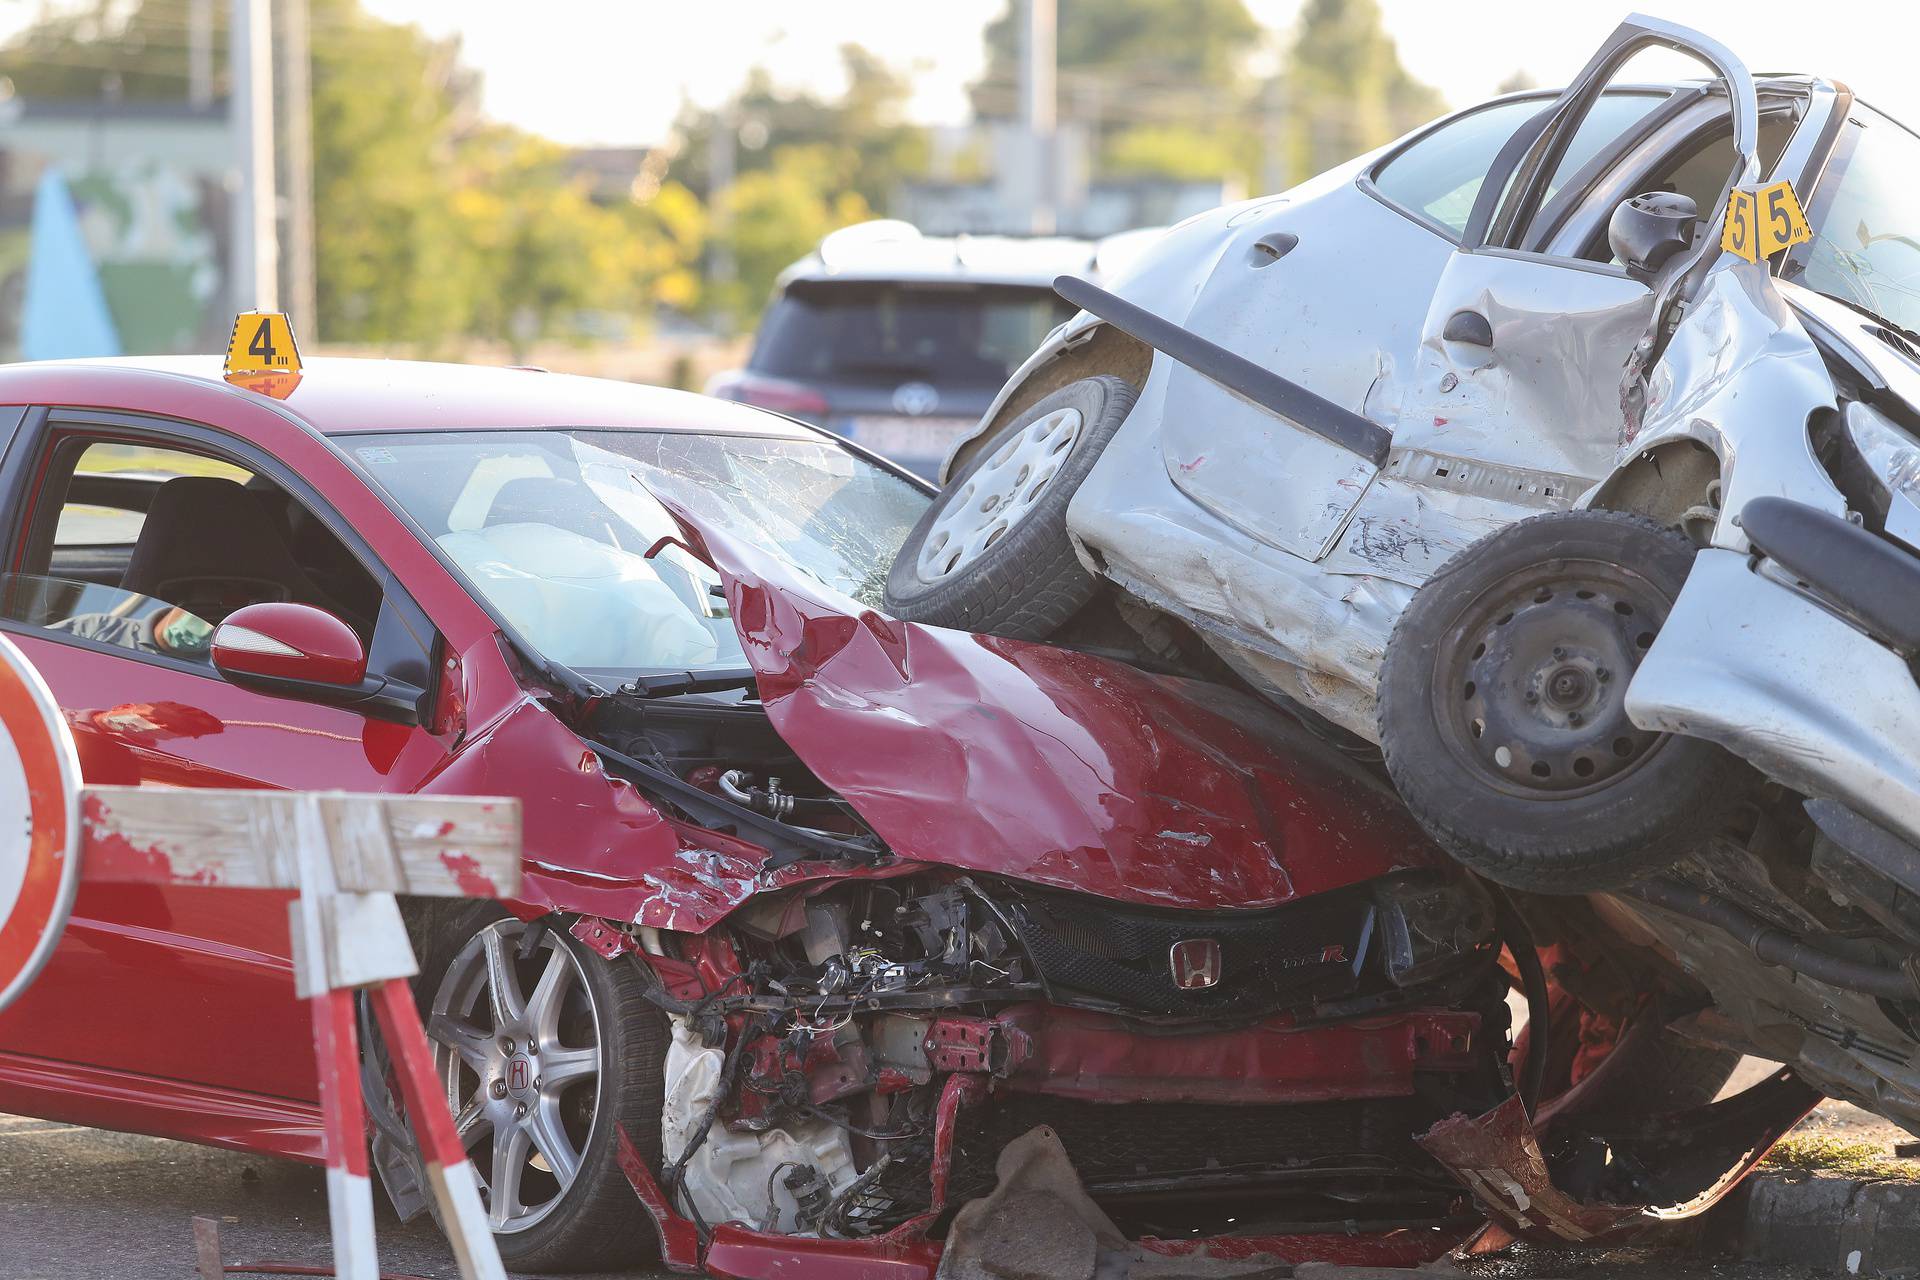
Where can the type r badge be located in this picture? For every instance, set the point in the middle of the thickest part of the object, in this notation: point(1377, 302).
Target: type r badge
point(1195, 963)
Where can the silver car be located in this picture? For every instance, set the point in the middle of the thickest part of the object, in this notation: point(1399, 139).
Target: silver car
point(1482, 339)
point(1491, 448)
point(898, 340)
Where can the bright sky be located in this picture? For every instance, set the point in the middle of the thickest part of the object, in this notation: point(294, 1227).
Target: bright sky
point(614, 71)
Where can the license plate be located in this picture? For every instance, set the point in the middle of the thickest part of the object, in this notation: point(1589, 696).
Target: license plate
point(895, 437)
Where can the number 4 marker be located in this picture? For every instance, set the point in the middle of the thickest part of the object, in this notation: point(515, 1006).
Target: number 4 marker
point(262, 342)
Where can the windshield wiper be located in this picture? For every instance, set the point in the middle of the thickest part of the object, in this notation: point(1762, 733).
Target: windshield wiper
point(1889, 325)
point(892, 368)
point(671, 684)
point(1854, 304)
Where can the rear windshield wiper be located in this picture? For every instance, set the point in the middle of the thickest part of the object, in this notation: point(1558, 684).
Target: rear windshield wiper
point(671, 684)
point(892, 368)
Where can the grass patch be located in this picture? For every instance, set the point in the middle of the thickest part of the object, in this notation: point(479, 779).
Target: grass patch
point(1844, 1157)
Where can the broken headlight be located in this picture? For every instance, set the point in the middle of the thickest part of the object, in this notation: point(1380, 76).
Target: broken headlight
point(1885, 469)
point(1428, 922)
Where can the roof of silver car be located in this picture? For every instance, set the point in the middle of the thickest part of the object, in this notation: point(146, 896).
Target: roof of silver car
point(888, 249)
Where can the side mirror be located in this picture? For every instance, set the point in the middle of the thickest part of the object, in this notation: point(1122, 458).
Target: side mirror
point(289, 648)
point(1646, 231)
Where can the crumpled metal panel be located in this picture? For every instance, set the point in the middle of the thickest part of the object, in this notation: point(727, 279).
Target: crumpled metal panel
point(1741, 376)
point(1052, 766)
point(1407, 526)
point(1757, 667)
point(1498, 1156)
point(1261, 289)
point(1546, 394)
point(594, 844)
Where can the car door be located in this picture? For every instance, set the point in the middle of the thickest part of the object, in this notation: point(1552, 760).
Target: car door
point(188, 984)
point(1522, 354)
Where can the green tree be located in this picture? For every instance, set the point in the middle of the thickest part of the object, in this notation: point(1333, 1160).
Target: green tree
point(1128, 61)
point(430, 224)
point(1344, 87)
point(1160, 86)
point(774, 215)
point(804, 164)
point(861, 139)
point(120, 49)
point(396, 261)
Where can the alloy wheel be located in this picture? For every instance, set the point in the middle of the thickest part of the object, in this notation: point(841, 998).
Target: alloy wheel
point(518, 1046)
point(999, 493)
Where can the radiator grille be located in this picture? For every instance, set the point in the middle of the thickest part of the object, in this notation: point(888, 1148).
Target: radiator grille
point(1309, 950)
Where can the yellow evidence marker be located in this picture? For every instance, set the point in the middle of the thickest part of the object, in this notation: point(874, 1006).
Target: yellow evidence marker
point(262, 342)
point(1761, 221)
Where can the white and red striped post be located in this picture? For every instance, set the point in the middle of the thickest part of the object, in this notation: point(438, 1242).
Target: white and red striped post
point(347, 856)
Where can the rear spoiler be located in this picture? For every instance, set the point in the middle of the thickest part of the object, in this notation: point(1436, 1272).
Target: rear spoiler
point(1265, 388)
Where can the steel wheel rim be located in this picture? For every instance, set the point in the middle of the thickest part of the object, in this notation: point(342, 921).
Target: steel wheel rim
point(522, 1087)
point(998, 494)
point(1530, 683)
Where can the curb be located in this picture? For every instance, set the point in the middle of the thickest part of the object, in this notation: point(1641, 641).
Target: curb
point(1847, 1226)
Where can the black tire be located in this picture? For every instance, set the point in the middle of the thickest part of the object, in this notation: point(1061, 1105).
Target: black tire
point(1524, 644)
point(597, 1224)
point(1029, 582)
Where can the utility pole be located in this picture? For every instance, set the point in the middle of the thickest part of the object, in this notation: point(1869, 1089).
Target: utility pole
point(200, 52)
point(1038, 110)
point(721, 163)
point(256, 242)
point(1275, 163)
point(296, 88)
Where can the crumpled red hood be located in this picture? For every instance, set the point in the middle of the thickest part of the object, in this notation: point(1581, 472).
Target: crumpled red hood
point(1051, 766)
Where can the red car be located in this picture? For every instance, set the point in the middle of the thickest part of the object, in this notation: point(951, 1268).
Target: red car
point(822, 911)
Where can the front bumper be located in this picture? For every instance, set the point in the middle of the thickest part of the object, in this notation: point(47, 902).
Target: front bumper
point(909, 1253)
point(1779, 679)
point(1029, 1057)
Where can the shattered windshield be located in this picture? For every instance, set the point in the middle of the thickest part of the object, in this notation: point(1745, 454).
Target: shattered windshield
point(1866, 223)
point(561, 533)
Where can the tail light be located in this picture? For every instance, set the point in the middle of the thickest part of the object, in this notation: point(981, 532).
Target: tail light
point(777, 394)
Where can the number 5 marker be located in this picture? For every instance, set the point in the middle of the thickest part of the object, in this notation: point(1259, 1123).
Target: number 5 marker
point(1761, 221)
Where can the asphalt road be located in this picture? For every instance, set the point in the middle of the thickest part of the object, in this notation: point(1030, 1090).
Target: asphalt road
point(82, 1204)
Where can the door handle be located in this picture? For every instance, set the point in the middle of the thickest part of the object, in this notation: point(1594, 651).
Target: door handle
point(1272, 247)
point(1470, 327)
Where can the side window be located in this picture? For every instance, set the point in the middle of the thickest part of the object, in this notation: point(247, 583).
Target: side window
point(149, 548)
point(1699, 168)
point(1613, 116)
point(107, 499)
point(1440, 175)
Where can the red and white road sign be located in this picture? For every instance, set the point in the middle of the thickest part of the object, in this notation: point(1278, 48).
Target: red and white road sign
point(39, 822)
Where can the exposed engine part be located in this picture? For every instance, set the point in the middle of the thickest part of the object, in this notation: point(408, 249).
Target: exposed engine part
point(773, 799)
point(815, 1040)
point(1867, 868)
point(843, 1216)
point(725, 766)
point(1778, 947)
point(732, 1174)
point(884, 942)
point(1700, 520)
point(1429, 922)
point(809, 1193)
